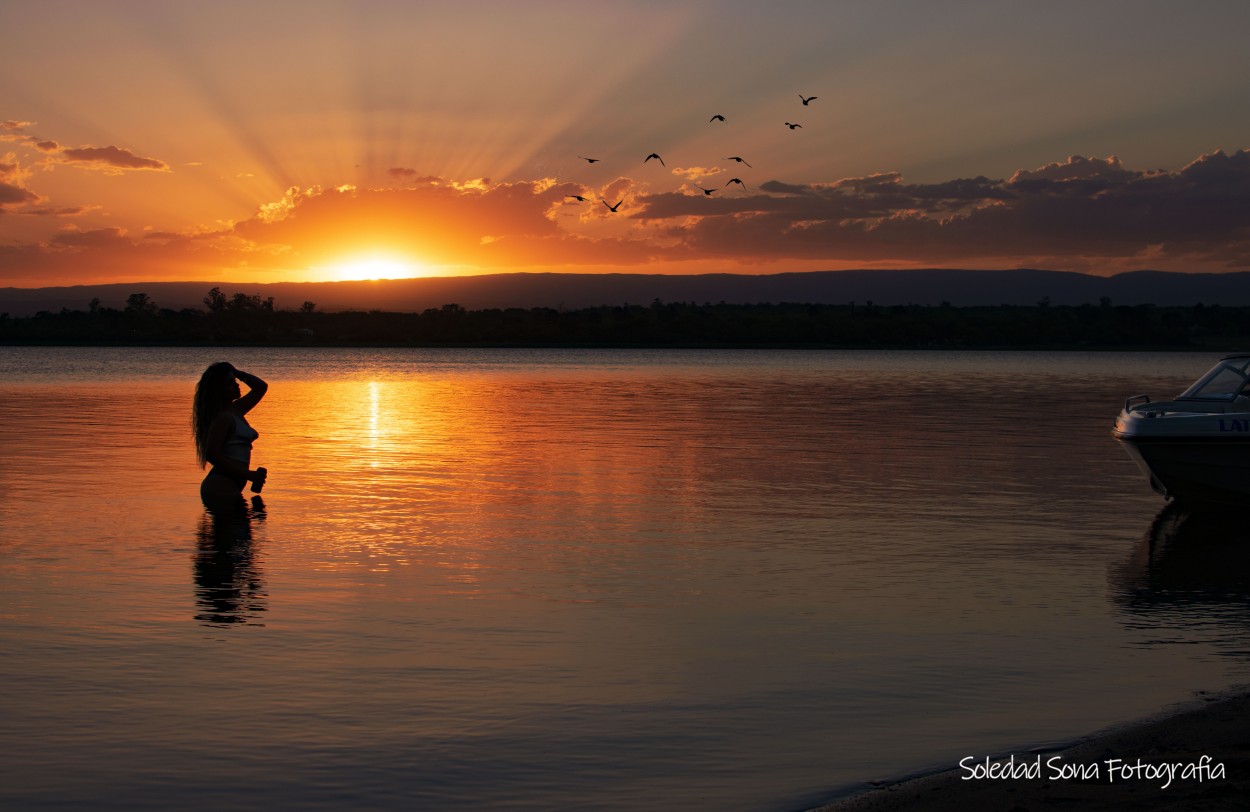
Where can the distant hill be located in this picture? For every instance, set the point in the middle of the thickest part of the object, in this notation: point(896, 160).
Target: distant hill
point(571, 290)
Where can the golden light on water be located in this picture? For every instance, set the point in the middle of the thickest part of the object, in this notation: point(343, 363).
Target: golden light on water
point(373, 422)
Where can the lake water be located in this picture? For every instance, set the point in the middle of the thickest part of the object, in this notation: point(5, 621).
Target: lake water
point(593, 580)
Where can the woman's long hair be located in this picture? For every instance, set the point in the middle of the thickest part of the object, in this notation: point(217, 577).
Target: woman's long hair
point(211, 398)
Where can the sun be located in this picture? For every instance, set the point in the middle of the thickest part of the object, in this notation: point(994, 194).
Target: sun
point(360, 268)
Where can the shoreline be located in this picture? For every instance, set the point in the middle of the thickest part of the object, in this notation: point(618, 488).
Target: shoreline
point(1191, 756)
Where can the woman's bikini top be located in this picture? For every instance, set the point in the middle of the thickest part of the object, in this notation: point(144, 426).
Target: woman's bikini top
point(239, 444)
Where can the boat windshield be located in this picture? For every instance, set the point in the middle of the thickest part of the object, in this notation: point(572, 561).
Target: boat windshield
point(1226, 380)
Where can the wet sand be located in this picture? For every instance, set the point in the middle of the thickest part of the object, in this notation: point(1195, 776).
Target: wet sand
point(1208, 739)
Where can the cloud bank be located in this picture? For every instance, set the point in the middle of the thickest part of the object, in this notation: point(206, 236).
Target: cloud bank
point(1081, 213)
point(1082, 209)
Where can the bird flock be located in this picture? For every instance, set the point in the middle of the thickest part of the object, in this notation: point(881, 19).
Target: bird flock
point(614, 207)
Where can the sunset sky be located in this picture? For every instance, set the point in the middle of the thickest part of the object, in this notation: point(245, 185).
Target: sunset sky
point(316, 140)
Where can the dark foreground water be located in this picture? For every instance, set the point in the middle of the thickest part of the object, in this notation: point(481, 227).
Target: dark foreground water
point(586, 580)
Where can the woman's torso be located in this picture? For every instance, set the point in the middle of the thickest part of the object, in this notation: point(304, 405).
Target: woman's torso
point(238, 447)
point(239, 444)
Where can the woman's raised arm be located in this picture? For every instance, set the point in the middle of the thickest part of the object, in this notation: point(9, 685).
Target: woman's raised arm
point(256, 391)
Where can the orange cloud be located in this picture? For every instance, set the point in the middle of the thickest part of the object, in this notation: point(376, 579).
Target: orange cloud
point(475, 223)
point(12, 190)
point(107, 238)
point(13, 193)
point(697, 173)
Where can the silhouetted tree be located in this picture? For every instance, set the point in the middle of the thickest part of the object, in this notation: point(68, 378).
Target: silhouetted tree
point(242, 302)
point(140, 304)
point(240, 318)
point(215, 301)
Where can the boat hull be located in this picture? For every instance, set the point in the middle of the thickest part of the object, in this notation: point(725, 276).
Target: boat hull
point(1195, 470)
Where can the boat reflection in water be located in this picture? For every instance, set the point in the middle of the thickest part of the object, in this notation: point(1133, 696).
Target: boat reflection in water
point(1196, 448)
point(1190, 575)
point(229, 588)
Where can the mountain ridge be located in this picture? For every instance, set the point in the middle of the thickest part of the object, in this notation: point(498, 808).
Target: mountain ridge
point(961, 288)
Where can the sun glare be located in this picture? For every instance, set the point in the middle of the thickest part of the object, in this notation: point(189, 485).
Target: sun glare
point(363, 268)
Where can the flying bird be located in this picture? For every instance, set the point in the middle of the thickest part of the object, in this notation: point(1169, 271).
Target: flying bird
point(736, 158)
point(618, 203)
point(577, 197)
point(707, 192)
point(737, 181)
point(717, 117)
point(589, 160)
point(657, 157)
point(792, 126)
point(808, 99)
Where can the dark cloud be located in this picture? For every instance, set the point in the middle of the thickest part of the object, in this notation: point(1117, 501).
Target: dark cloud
point(14, 195)
point(412, 175)
point(111, 158)
point(955, 192)
point(60, 211)
point(875, 196)
point(1205, 202)
point(879, 183)
point(779, 188)
point(1082, 207)
point(1076, 168)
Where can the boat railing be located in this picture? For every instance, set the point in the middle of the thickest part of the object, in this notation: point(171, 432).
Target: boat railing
point(1185, 406)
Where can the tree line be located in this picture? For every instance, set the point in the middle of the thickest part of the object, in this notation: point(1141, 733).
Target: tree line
point(248, 319)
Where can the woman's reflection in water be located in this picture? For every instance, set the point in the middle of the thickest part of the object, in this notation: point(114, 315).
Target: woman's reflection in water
point(1189, 578)
point(229, 588)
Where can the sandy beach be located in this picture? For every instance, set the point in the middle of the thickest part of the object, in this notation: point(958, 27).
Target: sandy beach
point(1194, 757)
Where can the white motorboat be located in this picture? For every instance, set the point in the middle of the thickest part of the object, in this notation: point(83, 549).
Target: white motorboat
point(1196, 448)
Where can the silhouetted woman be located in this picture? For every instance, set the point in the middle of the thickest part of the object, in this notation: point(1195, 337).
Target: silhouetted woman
point(222, 434)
